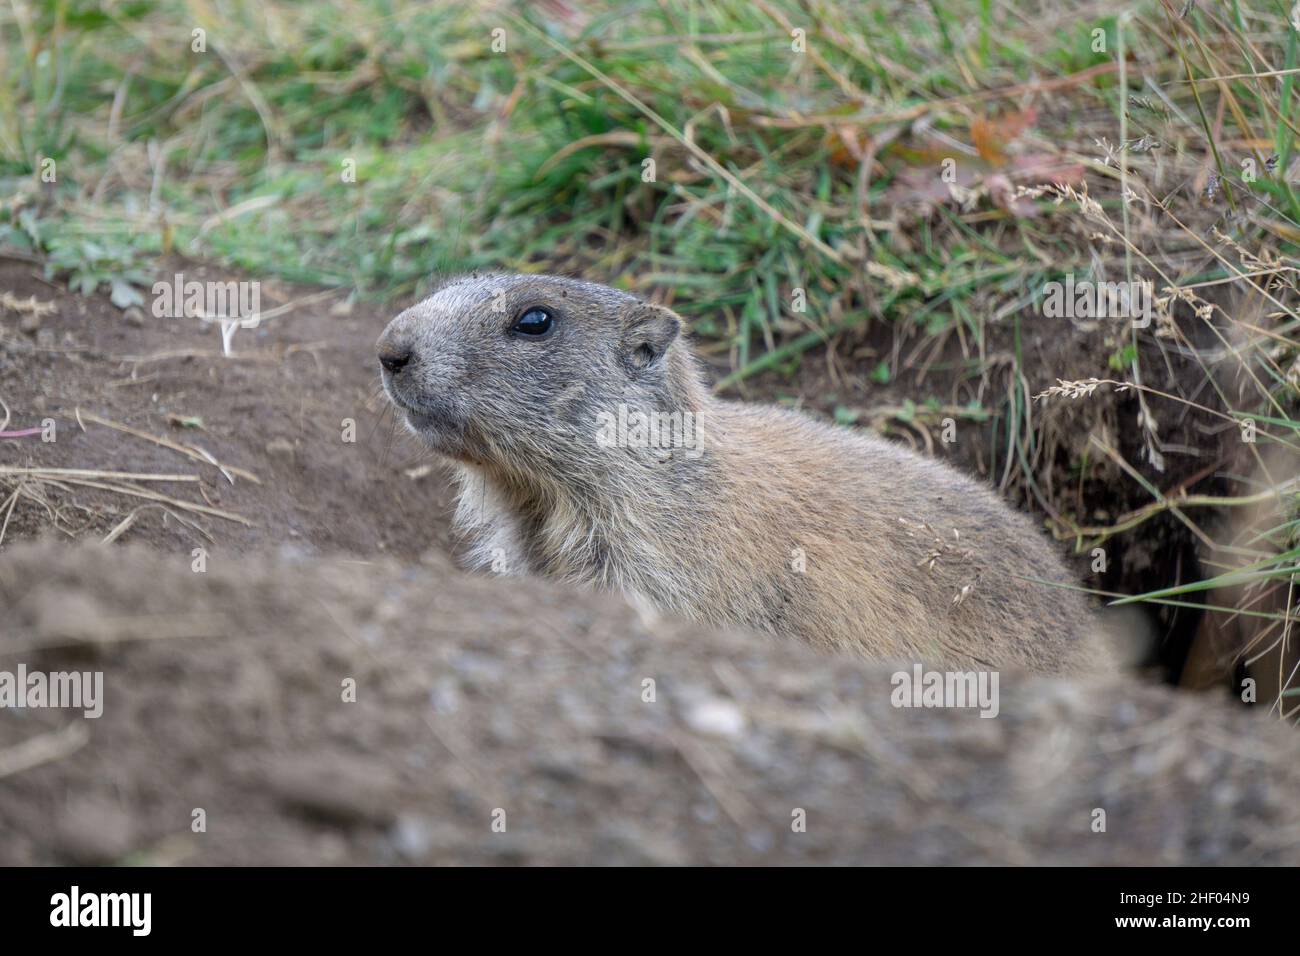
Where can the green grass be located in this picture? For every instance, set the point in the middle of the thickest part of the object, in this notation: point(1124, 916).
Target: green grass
point(467, 157)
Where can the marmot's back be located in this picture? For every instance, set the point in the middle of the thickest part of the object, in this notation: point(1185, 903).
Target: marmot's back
point(879, 548)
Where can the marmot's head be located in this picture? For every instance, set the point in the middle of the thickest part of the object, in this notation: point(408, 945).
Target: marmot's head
point(518, 369)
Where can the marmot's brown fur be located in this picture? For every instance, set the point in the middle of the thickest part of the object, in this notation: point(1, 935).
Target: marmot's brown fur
point(535, 387)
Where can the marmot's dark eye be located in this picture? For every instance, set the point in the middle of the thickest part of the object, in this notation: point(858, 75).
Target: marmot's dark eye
point(535, 323)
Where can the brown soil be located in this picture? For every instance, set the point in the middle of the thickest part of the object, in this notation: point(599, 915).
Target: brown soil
point(276, 409)
point(224, 689)
point(223, 692)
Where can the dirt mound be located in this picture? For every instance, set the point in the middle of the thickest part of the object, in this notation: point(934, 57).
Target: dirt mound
point(481, 700)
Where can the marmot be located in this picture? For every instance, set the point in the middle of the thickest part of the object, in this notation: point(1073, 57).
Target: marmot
point(588, 448)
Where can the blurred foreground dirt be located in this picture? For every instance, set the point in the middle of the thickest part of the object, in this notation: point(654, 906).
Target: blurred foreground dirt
point(224, 691)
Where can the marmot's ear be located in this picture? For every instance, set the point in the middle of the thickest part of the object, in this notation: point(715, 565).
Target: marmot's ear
point(648, 330)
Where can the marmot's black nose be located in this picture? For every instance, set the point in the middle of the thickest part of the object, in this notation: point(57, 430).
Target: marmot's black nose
point(394, 359)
